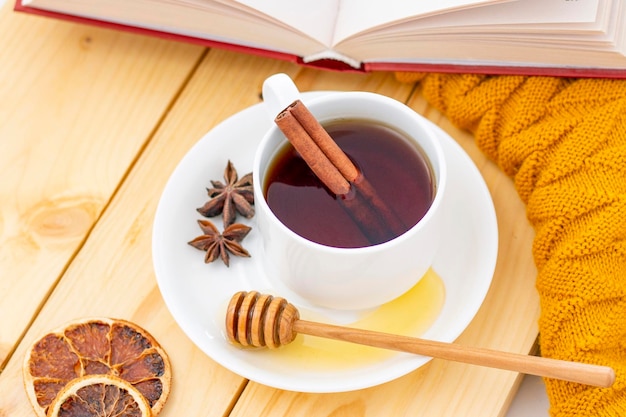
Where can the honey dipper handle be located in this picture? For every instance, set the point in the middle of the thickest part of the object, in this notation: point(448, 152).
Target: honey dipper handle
point(596, 375)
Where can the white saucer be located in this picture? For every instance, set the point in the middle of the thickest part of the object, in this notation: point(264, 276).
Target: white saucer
point(197, 293)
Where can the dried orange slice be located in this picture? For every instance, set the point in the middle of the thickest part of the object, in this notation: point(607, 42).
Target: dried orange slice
point(96, 346)
point(99, 396)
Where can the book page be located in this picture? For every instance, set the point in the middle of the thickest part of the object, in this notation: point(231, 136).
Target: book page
point(221, 20)
point(315, 18)
point(527, 16)
point(530, 13)
point(582, 33)
point(356, 15)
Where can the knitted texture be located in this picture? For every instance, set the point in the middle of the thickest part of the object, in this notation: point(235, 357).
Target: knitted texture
point(563, 142)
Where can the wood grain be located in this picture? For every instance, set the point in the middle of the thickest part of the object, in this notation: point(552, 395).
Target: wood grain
point(77, 105)
point(112, 274)
point(506, 321)
point(92, 124)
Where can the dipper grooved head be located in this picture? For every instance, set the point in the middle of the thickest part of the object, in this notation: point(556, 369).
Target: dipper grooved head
point(260, 320)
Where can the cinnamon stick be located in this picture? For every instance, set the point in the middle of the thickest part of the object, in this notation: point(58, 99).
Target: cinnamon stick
point(369, 220)
point(323, 140)
point(332, 166)
point(315, 158)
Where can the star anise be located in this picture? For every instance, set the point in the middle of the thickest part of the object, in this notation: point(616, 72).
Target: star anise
point(220, 245)
point(236, 195)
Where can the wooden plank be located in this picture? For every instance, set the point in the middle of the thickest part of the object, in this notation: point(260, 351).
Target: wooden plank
point(112, 275)
point(506, 321)
point(115, 260)
point(77, 105)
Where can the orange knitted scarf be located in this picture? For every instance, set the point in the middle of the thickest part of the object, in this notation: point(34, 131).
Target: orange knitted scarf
point(563, 142)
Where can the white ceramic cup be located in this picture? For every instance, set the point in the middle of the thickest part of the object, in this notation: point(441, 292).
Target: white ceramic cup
point(347, 278)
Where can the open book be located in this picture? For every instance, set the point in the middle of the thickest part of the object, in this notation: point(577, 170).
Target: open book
point(549, 37)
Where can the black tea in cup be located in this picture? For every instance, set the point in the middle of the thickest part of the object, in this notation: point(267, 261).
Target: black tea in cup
point(395, 167)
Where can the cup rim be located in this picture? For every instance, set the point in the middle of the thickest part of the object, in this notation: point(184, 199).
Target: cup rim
point(347, 251)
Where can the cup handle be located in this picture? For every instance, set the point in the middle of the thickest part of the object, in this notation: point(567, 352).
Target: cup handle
point(279, 91)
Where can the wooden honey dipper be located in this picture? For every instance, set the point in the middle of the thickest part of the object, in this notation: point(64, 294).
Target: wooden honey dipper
point(261, 320)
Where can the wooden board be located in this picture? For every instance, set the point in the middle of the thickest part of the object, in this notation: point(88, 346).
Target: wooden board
point(78, 224)
point(77, 105)
point(506, 321)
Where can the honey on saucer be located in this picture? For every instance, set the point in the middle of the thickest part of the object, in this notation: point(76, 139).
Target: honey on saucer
point(411, 314)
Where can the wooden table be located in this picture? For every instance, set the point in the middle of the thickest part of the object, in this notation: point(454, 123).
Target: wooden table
point(92, 124)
